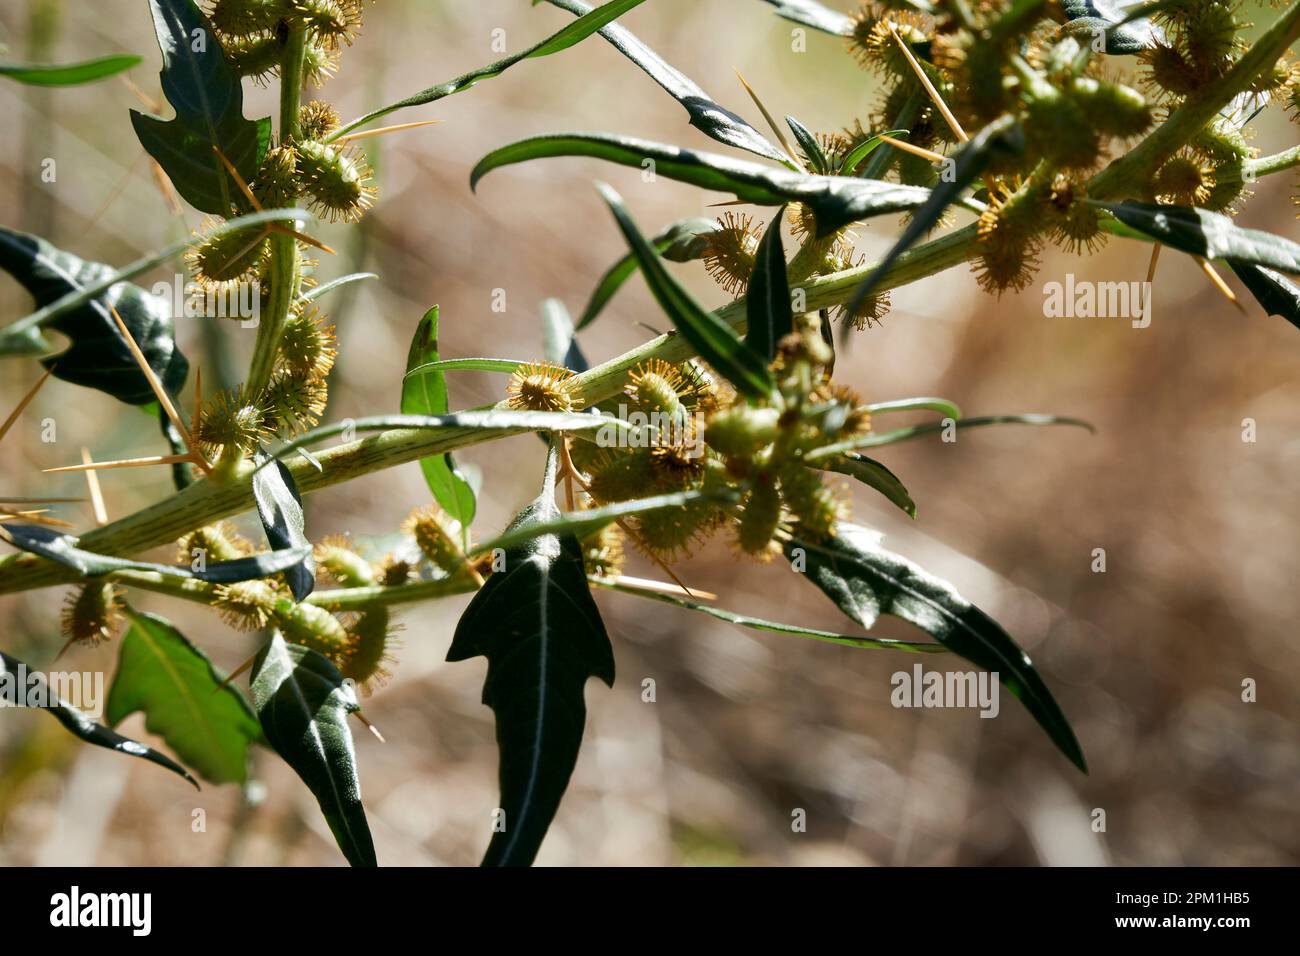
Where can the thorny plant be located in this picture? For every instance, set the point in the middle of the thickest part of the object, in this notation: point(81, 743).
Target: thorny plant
point(1064, 122)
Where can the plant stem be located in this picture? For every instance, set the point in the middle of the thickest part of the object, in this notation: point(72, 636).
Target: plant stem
point(1126, 175)
point(1278, 162)
point(284, 249)
point(206, 501)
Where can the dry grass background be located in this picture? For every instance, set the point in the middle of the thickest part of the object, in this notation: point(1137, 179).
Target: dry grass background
point(1147, 660)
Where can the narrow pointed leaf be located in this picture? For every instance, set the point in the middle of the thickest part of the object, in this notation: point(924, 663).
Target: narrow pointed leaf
point(769, 316)
point(98, 356)
point(715, 342)
point(303, 703)
point(683, 241)
point(1210, 235)
point(774, 627)
point(864, 580)
point(424, 392)
point(68, 74)
point(317, 291)
point(559, 346)
point(808, 145)
point(185, 700)
point(708, 116)
point(874, 475)
point(17, 681)
point(538, 627)
point(1124, 35)
point(279, 506)
point(835, 200)
point(875, 439)
point(208, 98)
point(1274, 291)
point(815, 15)
point(62, 548)
point(580, 29)
point(1000, 136)
point(854, 157)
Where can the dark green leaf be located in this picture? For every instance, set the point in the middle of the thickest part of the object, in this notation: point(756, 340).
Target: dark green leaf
point(759, 624)
point(98, 356)
point(769, 315)
point(1210, 235)
point(808, 145)
point(279, 506)
point(815, 15)
point(864, 580)
point(559, 346)
point(205, 720)
point(424, 392)
point(683, 241)
point(1275, 292)
point(865, 148)
point(62, 548)
point(303, 705)
point(542, 635)
point(835, 200)
point(872, 474)
point(713, 339)
point(1124, 34)
point(709, 117)
point(67, 74)
point(1000, 136)
point(575, 32)
point(208, 98)
point(20, 685)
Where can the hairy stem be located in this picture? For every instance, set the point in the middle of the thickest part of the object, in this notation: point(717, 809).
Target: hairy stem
point(284, 249)
point(1126, 174)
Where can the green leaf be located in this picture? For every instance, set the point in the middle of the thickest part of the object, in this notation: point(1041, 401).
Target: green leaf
point(23, 336)
point(1210, 235)
point(467, 365)
point(320, 290)
point(865, 148)
point(815, 15)
point(682, 241)
point(767, 302)
point(1275, 292)
point(708, 116)
point(538, 627)
point(205, 720)
point(835, 200)
point(864, 580)
point(874, 475)
point(424, 392)
point(492, 419)
point(808, 145)
point(916, 431)
point(68, 74)
point(62, 548)
point(575, 32)
point(209, 102)
point(559, 346)
point(303, 703)
point(713, 339)
point(279, 507)
point(1001, 136)
point(19, 684)
point(759, 624)
point(941, 405)
point(1124, 34)
point(98, 356)
point(581, 523)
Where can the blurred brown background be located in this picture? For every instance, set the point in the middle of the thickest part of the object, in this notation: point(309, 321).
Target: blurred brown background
point(1147, 659)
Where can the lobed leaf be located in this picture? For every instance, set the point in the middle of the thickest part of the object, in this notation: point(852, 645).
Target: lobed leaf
point(203, 718)
point(538, 627)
